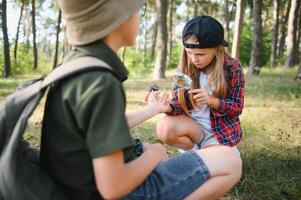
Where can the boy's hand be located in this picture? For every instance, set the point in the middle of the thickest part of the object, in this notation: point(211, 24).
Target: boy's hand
point(157, 150)
point(159, 101)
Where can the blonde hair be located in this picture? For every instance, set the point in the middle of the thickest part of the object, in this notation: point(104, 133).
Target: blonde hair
point(215, 71)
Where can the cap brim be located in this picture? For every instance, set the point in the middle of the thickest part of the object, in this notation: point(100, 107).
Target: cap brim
point(225, 43)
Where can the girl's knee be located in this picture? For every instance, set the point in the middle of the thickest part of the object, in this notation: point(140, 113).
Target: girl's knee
point(165, 130)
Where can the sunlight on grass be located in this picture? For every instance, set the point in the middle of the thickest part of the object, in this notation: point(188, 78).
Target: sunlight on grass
point(271, 122)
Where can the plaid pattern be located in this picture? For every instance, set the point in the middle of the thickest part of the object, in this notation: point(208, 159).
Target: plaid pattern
point(224, 121)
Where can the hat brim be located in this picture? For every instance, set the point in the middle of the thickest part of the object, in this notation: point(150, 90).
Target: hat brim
point(225, 43)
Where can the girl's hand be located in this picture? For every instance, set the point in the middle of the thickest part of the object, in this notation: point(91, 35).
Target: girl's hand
point(201, 97)
point(160, 101)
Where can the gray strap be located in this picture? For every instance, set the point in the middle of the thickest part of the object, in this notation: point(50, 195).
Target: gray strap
point(72, 67)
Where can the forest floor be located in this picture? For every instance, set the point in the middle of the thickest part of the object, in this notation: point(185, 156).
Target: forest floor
point(271, 122)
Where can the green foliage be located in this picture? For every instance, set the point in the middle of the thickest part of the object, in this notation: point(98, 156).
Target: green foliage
point(246, 45)
point(135, 62)
point(24, 60)
point(24, 64)
point(175, 57)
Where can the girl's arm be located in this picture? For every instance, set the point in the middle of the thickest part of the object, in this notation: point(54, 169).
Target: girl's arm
point(175, 108)
point(115, 179)
point(233, 103)
point(158, 102)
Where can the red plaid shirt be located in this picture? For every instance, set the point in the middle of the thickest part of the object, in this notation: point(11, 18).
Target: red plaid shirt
point(225, 120)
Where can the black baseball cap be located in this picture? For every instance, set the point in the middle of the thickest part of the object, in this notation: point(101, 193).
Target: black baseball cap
point(209, 32)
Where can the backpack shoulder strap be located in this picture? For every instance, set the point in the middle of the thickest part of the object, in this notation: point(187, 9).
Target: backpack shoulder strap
point(20, 105)
point(72, 67)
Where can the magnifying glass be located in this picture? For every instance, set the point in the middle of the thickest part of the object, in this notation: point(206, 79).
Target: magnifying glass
point(181, 80)
point(184, 83)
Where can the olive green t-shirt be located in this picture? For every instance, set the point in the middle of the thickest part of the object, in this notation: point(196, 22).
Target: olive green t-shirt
point(85, 119)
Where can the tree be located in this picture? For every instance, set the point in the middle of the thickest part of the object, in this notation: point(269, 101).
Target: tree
point(170, 29)
point(6, 52)
point(227, 20)
point(162, 37)
point(298, 76)
point(58, 30)
point(154, 41)
point(292, 35)
point(196, 8)
point(275, 32)
point(298, 34)
point(35, 50)
point(240, 10)
point(283, 21)
point(256, 53)
point(145, 35)
point(23, 2)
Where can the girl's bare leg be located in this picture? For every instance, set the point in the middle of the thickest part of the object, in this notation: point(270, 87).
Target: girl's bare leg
point(180, 131)
point(225, 168)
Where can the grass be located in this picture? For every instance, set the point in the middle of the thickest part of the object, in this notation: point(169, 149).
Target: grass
point(271, 121)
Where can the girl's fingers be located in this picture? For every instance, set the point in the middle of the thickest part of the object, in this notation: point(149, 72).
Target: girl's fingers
point(195, 91)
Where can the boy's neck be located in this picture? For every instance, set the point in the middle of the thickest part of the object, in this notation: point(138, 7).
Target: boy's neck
point(113, 42)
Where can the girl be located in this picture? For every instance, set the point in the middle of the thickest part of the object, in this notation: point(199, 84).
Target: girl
point(218, 83)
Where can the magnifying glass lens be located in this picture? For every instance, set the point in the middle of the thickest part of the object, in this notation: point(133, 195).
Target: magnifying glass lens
point(181, 80)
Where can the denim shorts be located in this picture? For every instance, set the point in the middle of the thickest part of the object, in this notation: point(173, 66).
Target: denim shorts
point(173, 179)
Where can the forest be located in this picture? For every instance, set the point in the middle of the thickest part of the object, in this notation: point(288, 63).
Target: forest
point(265, 35)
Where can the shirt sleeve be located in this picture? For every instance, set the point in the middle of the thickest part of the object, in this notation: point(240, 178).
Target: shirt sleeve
point(175, 104)
point(101, 114)
point(233, 104)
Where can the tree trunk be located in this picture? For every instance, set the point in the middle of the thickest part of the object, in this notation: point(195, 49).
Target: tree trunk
point(292, 35)
point(145, 37)
point(188, 5)
point(256, 54)
point(298, 75)
point(239, 16)
point(17, 33)
point(170, 33)
point(227, 20)
point(35, 50)
point(161, 47)
point(27, 30)
point(123, 54)
point(298, 57)
point(284, 20)
point(58, 30)
point(66, 46)
point(195, 8)
point(275, 32)
point(5, 41)
point(154, 43)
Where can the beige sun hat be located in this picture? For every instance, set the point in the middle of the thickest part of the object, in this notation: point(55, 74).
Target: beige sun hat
point(90, 20)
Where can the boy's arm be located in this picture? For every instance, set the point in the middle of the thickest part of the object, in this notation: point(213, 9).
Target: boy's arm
point(115, 179)
point(157, 103)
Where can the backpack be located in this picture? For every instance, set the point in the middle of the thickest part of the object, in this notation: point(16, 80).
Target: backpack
point(21, 176)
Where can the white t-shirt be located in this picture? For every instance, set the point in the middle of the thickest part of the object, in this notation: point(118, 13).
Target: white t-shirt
point(203, 117)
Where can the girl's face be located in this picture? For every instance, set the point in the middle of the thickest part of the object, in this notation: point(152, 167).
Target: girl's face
point(201, 58)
